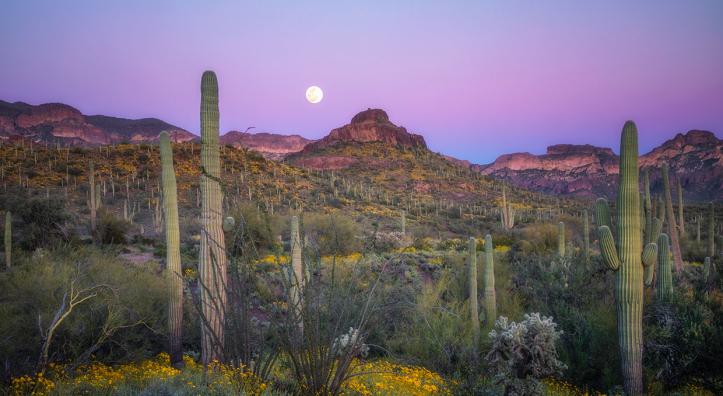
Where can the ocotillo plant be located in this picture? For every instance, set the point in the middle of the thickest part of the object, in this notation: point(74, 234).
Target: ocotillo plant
point(8, 239)
point(92, 203)
point(681, 219)
point(173, 252)
point(586, 235)
point(664, 289)
point(212, 256)
point(626, 259)
point(489, 279)
point(297, 275)
point(672, 227)
point(561, 239)
point(472, 281)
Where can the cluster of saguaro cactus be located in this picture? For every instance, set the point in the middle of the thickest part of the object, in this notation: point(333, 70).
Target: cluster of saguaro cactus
point(472, 283)
point(212, 257)
point(507, 214)
point(664, 288)
point(173, 252)
point(8, 239)
point(627, 258)
point(489, 283)
point(561, 239)
point(297, 267)
point(672, 227)
point(92, 199)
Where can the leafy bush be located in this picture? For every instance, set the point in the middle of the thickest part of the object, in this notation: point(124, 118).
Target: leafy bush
point(523, 353)
point(40, 222)
point(111, 229)
point(332, 234)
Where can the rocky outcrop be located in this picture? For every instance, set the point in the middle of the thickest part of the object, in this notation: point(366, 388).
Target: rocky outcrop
point(584, 170)
point(371, 125)
point(270, 145)
point(57, 122)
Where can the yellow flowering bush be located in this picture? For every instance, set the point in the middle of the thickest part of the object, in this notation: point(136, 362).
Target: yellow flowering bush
point(382, 377)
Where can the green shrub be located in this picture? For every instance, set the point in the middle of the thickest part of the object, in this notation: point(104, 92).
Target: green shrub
point(332, 234)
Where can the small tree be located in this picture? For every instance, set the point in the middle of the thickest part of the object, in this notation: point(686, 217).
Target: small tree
point(523, 353)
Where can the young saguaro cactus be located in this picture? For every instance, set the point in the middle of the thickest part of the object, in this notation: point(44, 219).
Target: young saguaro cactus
point(586, 236)
point(664, 289)
point(92, 200)
point(489, 279)
point(8, 239)
point(173, 252)
point(561, 239)
point(711, 232)
point(212, 256)
point(472, 281)
point(627, 259)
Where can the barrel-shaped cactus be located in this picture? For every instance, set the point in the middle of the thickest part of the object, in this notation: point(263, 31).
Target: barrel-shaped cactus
point(489, 283)
point(8, 239)
point(212, 256)
point(664, 288)
point(173, 252)
point(561, 239)
point(627, 258)
point(672, 227)
point(472, 286)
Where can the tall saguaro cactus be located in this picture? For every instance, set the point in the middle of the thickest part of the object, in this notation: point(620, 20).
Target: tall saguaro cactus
point(92, 200)
point(212, 257)
point(672, 227)
point(627, 258)
point(8, 239)
point(506, 212)
point(586, 236)
point(472, 281)
point(561, 239)
point(489, 279)
point(173, 252)
point(711, 232)
point(297, 278)
point(664, 289)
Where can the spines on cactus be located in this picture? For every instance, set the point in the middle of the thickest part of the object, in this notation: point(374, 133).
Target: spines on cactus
point(664, 289)
point(489, 283)
point(627, 258)
point(212, 257)
point(173, 252)
point(472, 288)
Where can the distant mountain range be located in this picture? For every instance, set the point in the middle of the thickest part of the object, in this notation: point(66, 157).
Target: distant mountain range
point(696, 157)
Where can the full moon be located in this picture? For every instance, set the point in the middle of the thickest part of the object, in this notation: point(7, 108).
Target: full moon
point(314, 94)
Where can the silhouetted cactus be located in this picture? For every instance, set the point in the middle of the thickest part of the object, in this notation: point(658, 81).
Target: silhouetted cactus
point(173, 252)
point(561, 239)
point(626, 259)
point(212, 257)
point(489, 280)
point(472, 286)
point(664, 287)
point(672, 227)
point(8, 239)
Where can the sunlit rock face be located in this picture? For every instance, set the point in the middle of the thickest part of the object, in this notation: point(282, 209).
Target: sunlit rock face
point(371, 125)
point(270, 145)
point(696, 157)
point(57, 122)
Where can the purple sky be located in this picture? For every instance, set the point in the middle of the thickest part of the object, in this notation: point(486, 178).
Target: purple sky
point(477, 79)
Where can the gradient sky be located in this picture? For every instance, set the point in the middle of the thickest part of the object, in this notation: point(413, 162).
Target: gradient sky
point(476, 78)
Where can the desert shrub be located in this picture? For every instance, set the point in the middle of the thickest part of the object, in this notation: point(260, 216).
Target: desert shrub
point(332, 234)
point(524, 353)
point(39, 222)
point(540, 237)
point(121, 319)
point(386, 241)
point(111, 229)
point(683, 341)
point(255, 230)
